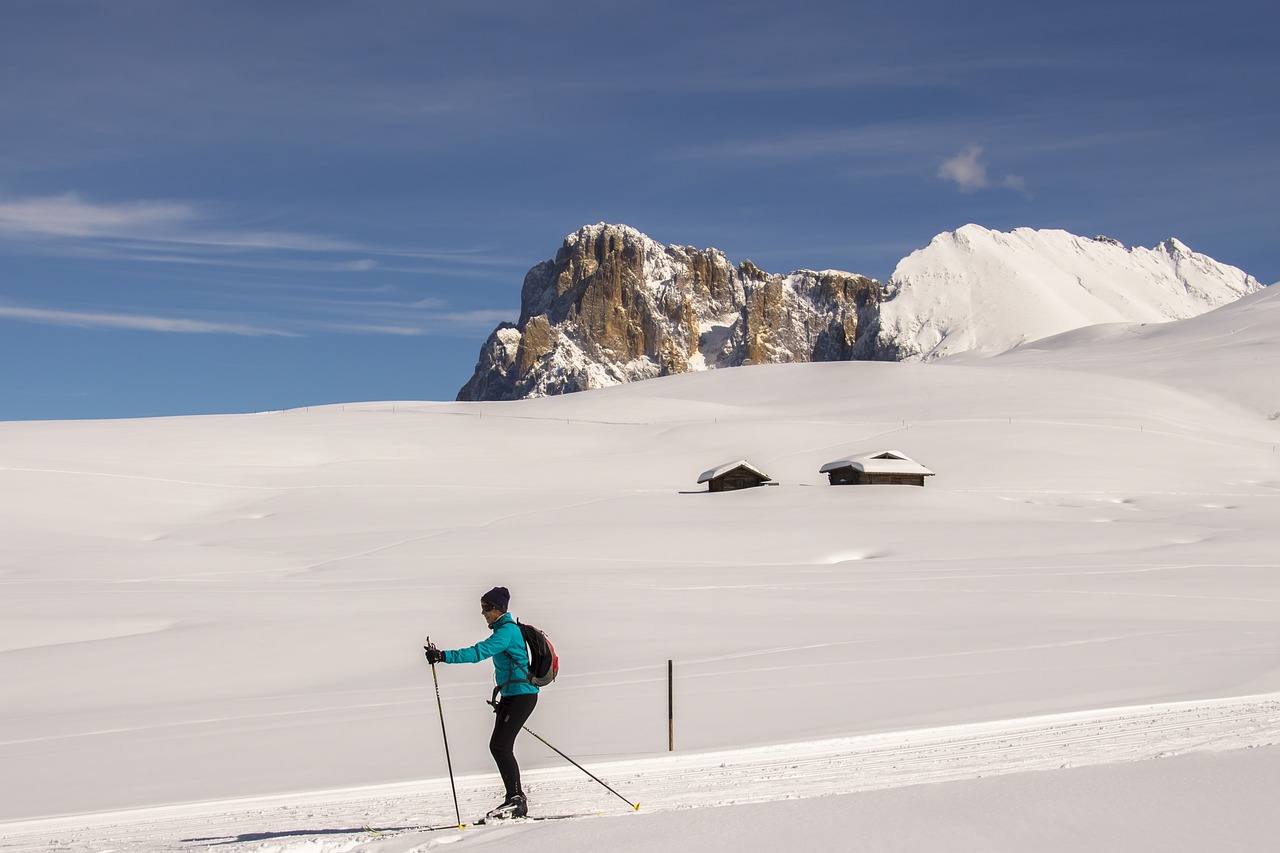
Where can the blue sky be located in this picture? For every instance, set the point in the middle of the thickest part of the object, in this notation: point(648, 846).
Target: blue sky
point(231, 207)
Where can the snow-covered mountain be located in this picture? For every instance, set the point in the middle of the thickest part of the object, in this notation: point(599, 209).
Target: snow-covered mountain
point(975, 290)
point(615, 306)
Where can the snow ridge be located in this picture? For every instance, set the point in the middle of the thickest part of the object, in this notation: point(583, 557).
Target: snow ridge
point(989, 291)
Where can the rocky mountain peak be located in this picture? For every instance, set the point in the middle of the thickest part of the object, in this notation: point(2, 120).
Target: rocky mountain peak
point(615, 306)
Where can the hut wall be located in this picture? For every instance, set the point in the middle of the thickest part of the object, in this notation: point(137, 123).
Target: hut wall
point(894, 479)
point(854, 477)
point(730, 482)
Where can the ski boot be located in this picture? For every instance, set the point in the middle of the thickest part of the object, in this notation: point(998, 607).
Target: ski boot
point(513, 806)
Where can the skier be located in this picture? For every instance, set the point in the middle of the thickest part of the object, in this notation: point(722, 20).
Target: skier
point(511, 669)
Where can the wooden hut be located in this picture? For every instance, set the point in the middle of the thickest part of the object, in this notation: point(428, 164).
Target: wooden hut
point(734, 475)
point(884, 467)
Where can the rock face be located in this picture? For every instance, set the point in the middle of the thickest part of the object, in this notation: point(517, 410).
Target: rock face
point(615, 306)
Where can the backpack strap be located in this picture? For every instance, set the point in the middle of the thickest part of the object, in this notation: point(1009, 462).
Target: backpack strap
point(528, 677)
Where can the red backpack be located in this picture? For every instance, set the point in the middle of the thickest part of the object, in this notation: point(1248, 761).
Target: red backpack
point(544, 663)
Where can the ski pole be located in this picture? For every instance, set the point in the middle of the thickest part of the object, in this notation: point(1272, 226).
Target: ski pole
point(635, 806)
point(447, 760)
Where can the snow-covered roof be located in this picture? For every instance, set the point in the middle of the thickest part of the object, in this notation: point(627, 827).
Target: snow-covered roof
point(721, 470)
point(879, 462)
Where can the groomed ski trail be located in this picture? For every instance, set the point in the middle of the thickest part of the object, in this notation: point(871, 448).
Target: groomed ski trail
point(339, 820)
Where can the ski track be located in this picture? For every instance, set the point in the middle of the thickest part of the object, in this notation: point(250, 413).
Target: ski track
point(333, 821)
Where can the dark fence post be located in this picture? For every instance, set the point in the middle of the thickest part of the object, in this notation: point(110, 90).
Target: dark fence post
point(671, 710)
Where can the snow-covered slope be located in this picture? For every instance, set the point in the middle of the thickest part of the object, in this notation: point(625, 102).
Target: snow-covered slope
point(988, 291)
point(1231, 353)
point(946, 782)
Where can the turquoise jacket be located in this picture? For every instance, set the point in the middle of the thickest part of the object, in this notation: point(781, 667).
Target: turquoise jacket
point(510, 658)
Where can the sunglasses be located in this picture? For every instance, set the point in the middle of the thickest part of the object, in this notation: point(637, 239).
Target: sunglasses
point(486, 607)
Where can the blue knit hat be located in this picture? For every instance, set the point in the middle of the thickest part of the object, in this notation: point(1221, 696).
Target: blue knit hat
point(499, 595)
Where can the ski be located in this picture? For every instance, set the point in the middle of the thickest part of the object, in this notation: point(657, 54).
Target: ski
point(388, 830)
point(527, 819)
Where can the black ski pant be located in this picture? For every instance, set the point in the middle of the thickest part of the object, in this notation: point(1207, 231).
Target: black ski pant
point(513, 712)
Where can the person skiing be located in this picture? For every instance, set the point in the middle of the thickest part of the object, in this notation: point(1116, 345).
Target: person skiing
point(506, 647)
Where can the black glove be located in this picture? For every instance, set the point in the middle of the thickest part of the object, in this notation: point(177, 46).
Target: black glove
point(434, 655)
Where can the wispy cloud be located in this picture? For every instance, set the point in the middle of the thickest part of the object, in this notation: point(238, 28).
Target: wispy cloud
point(156, 225)
point(969, 173)
point(368, 329)
point(137, 322)
point(304, 317)
point(174, 231)
point(70, 215)
point(156, 256)
point(302, 284)
point(426, 317)
point(810, 143)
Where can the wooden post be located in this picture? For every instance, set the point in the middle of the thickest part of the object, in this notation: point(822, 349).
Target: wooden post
point(671, 710)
